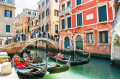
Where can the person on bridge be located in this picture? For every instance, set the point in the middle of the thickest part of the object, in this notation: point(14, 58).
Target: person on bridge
point(39, 33)
point(32, 34)
point(71, 52)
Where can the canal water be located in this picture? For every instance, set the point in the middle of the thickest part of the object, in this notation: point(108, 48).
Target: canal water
point(95, 69)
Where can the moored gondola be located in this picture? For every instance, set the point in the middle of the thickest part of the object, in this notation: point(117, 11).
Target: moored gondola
point(73, 63)
point(33, 71)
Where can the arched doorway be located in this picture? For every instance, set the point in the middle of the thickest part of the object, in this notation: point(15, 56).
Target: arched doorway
point(79, 42)
point(66, 42)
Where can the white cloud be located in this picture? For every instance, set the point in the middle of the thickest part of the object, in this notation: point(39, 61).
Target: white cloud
point(20, 4)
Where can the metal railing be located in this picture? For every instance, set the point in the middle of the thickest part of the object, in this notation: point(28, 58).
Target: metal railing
point(27, 38)
point(67, 10)
point(116, 19)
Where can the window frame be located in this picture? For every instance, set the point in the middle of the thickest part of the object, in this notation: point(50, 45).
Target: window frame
point(9, 29)
point(61, 24)
point(99, 37)
point(77, 21)
point(90, 31)
point(100, 5)
point(67, 21)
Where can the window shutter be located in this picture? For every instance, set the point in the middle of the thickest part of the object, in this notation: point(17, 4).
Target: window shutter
point(11, 14)
point(7, 28)
point(102, 13)
point(100, 37)
point(106, 37)
point(5, 13)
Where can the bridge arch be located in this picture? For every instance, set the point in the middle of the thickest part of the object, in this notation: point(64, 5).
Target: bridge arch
point(49, 42)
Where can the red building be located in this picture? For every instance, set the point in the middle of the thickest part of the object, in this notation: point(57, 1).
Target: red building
point(87, 24)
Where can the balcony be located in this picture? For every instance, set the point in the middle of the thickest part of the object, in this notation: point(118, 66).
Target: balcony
point(66, 11)
point(116, 19)
point(7, 4)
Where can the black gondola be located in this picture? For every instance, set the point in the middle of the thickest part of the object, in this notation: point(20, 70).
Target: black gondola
point(73, 63)
point(33, 71)
point(52, 68)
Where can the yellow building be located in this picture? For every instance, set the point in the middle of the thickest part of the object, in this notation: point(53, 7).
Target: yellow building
point(48, 16)
point(7, 18)
point(22, 21)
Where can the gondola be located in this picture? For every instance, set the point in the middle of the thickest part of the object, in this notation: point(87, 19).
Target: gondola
point(33, 71)
point(53, 68)
point(73, 63)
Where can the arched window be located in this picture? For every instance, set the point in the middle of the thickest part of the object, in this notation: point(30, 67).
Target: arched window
point(66, 42)
point(79, 42)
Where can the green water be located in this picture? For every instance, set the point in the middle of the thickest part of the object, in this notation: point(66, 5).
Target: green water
point(96, 69)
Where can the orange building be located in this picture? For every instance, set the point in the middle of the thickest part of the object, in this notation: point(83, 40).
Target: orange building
point(22, 21)
point(87, 24)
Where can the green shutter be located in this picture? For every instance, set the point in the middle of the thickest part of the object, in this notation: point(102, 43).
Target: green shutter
point(69, 22)
point(79, 2)
point(7, 28)
point(79, 19)
point(63, 24)
point(102, 13)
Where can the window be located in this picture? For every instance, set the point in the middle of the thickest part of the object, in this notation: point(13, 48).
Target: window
point(78, 2)
point(79, 19)
point(9, 1)
point(47, 27)
point(39, 17)
point(47, 1)
point(32, 23)
point(69, 22)
point(28, 28)
point(8, 13)
point(43, 28)
point(34, 13)
point(103, 37)
point(47, 12)
point(63, 7)
point(69, 4)
point(43, 14)
point(28, 19)
point(102, 13)
point(56, 12)
point(7, 28)
point(29, 12)
point(42, 3)
point(89, 38)
point(56, 28)
point(56, 0)
point(63, 24)
point(39, 6)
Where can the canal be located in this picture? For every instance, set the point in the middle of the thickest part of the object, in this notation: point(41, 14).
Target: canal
point(96, 69)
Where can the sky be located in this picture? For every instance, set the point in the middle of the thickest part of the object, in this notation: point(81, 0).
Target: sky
point(21, 4)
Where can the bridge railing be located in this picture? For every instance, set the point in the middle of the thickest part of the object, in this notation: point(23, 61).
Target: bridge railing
point(26, 38)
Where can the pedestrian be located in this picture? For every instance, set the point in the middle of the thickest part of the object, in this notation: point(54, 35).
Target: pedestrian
point(71, 52)
point(32, 34)
point(39, 33)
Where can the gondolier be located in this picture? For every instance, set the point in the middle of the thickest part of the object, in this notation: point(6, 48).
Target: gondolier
point(72, 52)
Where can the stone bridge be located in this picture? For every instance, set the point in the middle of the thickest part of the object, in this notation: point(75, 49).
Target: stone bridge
point(19, 46)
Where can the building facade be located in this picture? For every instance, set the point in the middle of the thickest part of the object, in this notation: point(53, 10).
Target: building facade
point(48, 16)
point(7, 18)
point(24, 21)
point(87, 24)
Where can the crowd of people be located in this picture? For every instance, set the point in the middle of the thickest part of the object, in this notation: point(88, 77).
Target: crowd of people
point(22, 36)
point(44, 35)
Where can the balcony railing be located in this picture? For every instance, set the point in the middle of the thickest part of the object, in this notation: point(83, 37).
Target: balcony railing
point(116, 19)
point(7, 4)
point(66, 11)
